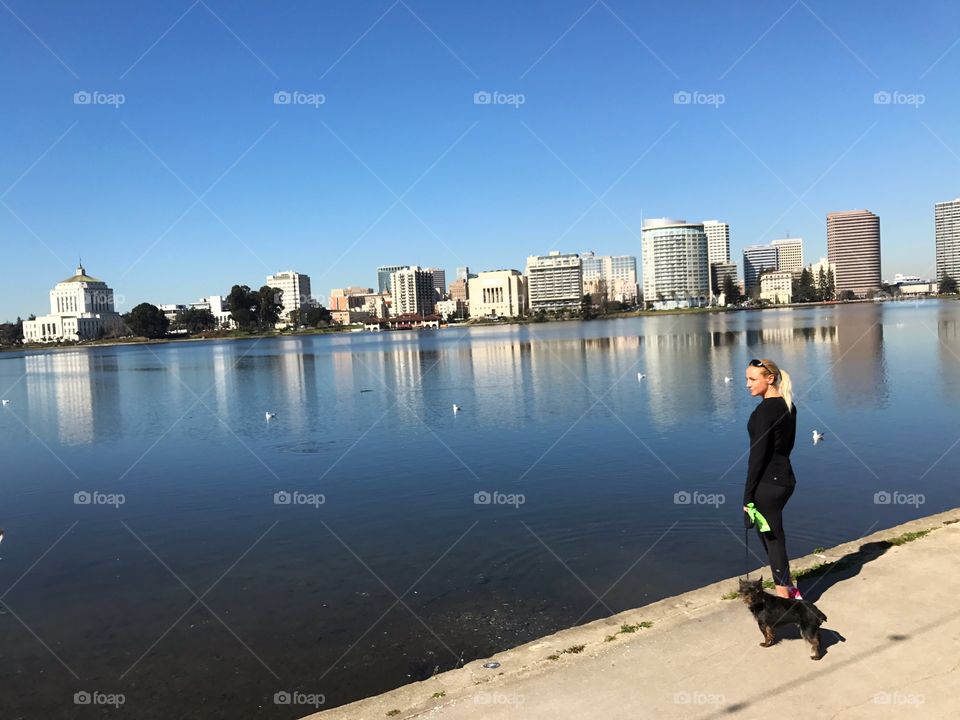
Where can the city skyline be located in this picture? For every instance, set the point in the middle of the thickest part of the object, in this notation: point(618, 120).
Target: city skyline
point(177, 184)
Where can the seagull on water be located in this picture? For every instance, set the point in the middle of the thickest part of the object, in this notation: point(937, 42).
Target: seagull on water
point(727, 378)
point(270, 415)
point(640, 376)
point(6, 402)
point(456, 408)
point(817, 436)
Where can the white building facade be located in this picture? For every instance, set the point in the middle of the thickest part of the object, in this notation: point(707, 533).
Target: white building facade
point(498, 293)
point(789, 254)
point(947, 231)
point(676, 270)
point(413, 292)
point(554, 281)
point(776, 287)
point(296, 294)
point(615, 275)
point(718, 241)
point(81, 308)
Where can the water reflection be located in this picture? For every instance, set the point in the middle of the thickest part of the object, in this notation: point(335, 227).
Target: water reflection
point(858, 370)
point(948, 352)
point(74, 387)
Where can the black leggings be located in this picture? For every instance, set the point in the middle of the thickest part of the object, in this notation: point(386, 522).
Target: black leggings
point(770, 500)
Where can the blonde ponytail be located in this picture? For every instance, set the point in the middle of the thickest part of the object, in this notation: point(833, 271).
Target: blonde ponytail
point(785, 386)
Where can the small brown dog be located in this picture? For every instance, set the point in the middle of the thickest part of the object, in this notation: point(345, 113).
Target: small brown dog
point(772, 611)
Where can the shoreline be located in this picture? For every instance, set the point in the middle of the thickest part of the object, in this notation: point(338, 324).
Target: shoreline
point(536, 660)
point(469, 323)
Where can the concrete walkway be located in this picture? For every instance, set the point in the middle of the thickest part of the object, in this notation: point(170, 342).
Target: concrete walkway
point(892, 651)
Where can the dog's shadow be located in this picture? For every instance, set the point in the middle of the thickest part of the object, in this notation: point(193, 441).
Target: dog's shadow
point(828, 637)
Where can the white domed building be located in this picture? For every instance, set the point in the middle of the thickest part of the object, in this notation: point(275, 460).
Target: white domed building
point(81, 308)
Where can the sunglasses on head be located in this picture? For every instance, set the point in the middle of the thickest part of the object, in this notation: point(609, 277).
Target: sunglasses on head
point(759, 363)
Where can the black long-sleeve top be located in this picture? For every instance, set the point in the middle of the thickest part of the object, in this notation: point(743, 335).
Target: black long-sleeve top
point(773, 430)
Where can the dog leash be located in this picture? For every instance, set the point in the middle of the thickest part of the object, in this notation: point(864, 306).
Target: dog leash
point(746, 553)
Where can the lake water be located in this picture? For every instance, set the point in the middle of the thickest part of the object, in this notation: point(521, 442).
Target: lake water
point(201, 596)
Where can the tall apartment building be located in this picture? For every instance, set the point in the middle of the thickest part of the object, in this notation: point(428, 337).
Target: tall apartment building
point(675, 263)
point(296, 293)
point(384, 273)
point(719, 272)
point(439, 280)
point(498, 293)
point(946, 222)
point(853, 244)
point(756, 259)
point(554, 281)
point(718, 241)
point(463, 273)
point(614, 274)
point(789, 254)
point(459, 290)
point(413, 292)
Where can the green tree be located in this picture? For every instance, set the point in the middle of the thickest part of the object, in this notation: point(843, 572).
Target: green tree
point(848, 295)
point(831, 285)
point(804, 290)
point(270, 307)
point(948, 286)
point(11, 333)
point(244, 306)
point(822, 285)
point(730, 290)
point(194, 320)
point(586, 307)
point(148, 321)
point(318, 316)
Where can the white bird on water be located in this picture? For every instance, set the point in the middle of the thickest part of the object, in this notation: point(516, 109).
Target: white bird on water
point(817, 436)
point(727, 378)
point(456, 408)
point(6, 402)
point(640, 376)
point(270, 415)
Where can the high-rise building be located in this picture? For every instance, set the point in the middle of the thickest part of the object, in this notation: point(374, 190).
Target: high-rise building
point(554, 281)
point(460, 290)
point(676, 271)
point(947, 231)
point(719, 272)
point(384, 272)
point(613, 275)
point(296, 293)
point(853, 244)
point(413, 292)
point(498, 293)
point(439, 280)
point(351, 298)
point(718, 241)
point(463, 273)
point(756, 259)
point(789, 254)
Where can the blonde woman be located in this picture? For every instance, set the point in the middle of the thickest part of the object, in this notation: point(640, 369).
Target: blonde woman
point(770, 479)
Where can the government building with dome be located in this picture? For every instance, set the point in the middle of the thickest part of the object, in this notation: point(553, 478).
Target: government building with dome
point(81, 308)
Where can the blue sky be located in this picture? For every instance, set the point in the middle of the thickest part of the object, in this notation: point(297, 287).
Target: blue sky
point(399, 165)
